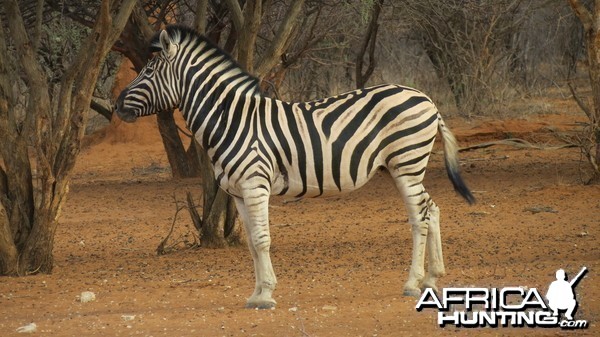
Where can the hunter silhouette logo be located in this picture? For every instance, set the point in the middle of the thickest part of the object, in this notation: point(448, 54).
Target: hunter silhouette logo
point(561, 293)
point(508, 306)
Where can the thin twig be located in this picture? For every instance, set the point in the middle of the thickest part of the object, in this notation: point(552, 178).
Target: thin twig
point(468, 160)
point(515, 142)
point(160, 250)
point(196, 218)
point(189, 135)
point(582, 105)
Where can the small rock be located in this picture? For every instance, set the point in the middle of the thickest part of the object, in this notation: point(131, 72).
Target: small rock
point(329, 307)
point(87, 296)
point(293, 309)
point(29, 328)
point(128, 317)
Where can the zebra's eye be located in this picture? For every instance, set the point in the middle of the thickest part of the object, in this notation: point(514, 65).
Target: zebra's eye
point(149, 71)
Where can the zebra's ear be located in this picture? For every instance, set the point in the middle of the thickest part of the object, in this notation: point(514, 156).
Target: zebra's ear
point(168, 48)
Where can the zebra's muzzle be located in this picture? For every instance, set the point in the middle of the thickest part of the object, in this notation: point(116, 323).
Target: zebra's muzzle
point(126, 114)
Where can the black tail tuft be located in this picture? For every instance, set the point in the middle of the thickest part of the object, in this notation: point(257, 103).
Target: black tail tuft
point(452, 164)
point(458, 183)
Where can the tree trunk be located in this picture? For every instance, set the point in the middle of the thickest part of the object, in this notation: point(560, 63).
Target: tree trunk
point(16, 189)
point(181, 166)
point(219, 214)
point(8, 250)
point(219, 226)
point(593, 49)
point(52, 128)
point(589, 20)
point(36, 256)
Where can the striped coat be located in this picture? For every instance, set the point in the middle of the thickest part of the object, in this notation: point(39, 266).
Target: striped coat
point(260, 146)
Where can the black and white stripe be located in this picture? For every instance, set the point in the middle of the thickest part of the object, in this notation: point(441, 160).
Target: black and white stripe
point(261, 146)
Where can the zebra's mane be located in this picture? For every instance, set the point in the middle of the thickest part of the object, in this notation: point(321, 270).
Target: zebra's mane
point(179, 33)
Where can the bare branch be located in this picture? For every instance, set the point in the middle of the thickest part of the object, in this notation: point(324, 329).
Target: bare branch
point(584, 107)
point(39, 18)
point(69, 120)
point(277, 47)
point(38, 100)
point(140, 18)
point(34, 75)
point(6, 95)
point(248, 33)
point(119, 22)
point(196, 219)
point(82, 17)
point(161, 250)
point(133, 39)
point(236, 14)
point(3, 184)
point(311, 41)
point(162, 14)
point(201, 14)
point(101, 107)
point(369, 42)
point(582, 13)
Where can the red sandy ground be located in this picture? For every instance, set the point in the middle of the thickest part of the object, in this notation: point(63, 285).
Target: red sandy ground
point(341, 262)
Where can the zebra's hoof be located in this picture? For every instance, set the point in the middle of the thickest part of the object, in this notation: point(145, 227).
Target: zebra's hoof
point(412, 292)
point(261, 304)
point(430, 285)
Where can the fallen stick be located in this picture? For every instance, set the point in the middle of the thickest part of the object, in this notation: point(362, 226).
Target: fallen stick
point(468, 160)
point(515, 142)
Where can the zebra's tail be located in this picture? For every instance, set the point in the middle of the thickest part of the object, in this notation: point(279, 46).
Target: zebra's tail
point(451, 159)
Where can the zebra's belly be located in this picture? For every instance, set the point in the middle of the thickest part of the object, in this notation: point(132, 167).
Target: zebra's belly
point(295, 186)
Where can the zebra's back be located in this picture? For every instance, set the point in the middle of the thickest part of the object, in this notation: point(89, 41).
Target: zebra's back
point(336, 144)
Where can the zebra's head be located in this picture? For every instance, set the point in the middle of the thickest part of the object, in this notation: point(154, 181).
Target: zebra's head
point(155, 87)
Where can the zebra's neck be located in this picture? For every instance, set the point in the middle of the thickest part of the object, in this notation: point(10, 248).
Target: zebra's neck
point(210, 82)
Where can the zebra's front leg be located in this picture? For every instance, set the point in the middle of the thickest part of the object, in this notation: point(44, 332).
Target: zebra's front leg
point(239, 203)
point(254, 211)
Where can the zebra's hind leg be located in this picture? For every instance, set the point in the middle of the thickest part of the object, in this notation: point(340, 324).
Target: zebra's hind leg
point(423, 216)
point(255, 216)
point(434, 249)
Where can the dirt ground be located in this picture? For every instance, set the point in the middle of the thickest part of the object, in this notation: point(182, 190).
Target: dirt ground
point(341, 262)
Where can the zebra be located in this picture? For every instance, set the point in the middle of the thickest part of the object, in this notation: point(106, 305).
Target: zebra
point(259, 146)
